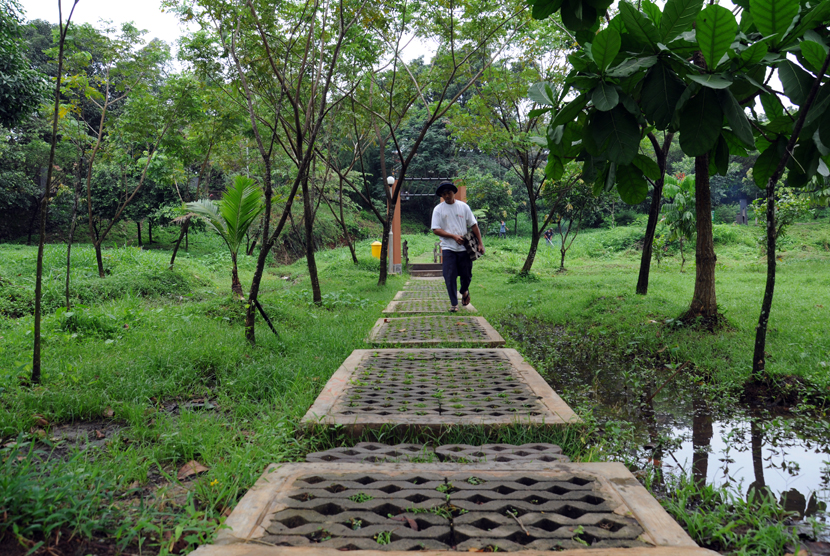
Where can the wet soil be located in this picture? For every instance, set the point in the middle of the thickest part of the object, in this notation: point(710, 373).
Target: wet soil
point(763, 436)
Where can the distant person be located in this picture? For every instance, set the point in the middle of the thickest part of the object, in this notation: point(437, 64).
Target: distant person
point(450, 221)
point(549, 236)
point(502, 230)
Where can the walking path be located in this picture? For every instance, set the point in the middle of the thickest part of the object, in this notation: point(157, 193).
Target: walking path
point(373, 497)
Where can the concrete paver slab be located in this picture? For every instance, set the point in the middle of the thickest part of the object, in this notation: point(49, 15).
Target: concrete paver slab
point(434, 305)
point(434, 388)
point(435, 330)
point(305, 509)
point(501, 453)
point(406, 295)
point(374, 452)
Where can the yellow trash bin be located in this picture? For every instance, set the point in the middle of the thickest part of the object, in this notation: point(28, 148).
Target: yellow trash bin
point(376, 249)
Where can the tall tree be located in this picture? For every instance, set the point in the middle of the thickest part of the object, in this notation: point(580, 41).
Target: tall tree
point(500, 119)
point(63, 28)
point(285, 60)
point(470, 40)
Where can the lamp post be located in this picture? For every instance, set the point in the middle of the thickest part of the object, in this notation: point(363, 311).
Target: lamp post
point(390, 181)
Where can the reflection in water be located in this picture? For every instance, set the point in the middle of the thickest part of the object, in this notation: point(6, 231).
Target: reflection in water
point(684, 428)
point(701, 439)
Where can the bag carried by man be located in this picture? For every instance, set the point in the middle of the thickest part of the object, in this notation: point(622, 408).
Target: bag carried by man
point(472, 246)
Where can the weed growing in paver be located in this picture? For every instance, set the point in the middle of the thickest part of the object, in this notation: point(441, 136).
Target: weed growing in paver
point(384, 537)
point(361, 497)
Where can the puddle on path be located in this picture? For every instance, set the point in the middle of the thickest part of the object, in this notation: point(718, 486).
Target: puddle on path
point(681, 428)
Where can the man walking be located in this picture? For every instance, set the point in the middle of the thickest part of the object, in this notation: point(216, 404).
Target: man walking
point(450, 221)
point(549, 237)
point(502, 230)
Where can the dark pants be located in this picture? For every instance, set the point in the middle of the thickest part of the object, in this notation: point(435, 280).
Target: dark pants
point(457, 264)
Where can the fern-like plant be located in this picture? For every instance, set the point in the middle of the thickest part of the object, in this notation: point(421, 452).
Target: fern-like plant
point(241, 204)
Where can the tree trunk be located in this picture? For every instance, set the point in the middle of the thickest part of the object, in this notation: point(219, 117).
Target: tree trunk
point(138, 227)
point(384, 246)
point(345, 228)
point(185, 225)
point(704, 303)
point(98, 258)
point(759, 355)
point(308, 217)
point(43, 205)
point(72, 237)
point(149, 231)
point(653, 214)
point(563, 251)
point(702, 432)
point(682, 256)
point(236, 285)
point(534, 222)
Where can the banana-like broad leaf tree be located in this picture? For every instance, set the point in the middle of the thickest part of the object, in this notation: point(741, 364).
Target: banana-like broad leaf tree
point(231, 217)
point(679, 211)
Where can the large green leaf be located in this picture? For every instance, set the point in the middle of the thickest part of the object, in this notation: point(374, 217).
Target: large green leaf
point(652, 11)
point(661, 91)
point(737, 119)
point(773, 17)
point(814, 53)
point(539, 93)
point(570, 111)
point(715, 28)
point(772, 106)
point(735, 146)
point(647, 166)
point(812, 19)
point(678, 16)
point(542, 9)
point(720, 157)
point(821, 105)
point(796, 81)
point(605, 48)
point(631, 184)
point(605, 97)
point(824, 129)
point(554, 168)
point(754, 54)
point(713, 80)
point(617, 134)
point(700, 123)
point(630, 66)
point(640, 27)
point(765, 165)
point(577, 15)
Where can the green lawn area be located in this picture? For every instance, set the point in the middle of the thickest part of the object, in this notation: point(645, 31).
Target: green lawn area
point(156, 361)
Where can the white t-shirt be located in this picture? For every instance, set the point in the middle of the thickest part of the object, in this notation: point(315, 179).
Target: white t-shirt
point(455, 219)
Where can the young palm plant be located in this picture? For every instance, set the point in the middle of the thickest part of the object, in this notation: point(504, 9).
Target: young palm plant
point(241, 204)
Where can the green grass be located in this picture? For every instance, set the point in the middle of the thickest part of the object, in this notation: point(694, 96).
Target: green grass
point(145, 340)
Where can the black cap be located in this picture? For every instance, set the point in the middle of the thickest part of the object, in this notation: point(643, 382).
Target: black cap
point(445, 185)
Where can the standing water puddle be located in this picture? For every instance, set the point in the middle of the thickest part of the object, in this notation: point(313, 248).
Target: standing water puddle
point(681, 429)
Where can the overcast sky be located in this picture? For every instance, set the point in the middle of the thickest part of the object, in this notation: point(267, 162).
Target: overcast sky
point(146, 14)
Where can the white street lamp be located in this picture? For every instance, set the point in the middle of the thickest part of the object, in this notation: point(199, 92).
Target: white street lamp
point(390, 181)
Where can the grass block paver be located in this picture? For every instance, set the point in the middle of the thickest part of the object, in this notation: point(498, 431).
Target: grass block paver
point(433, 305)
point(435, 330)
point(305, 509)
point(374, 452)
point(501, 453)
point(407, 295)
point(437, 286)
point(434, 388)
